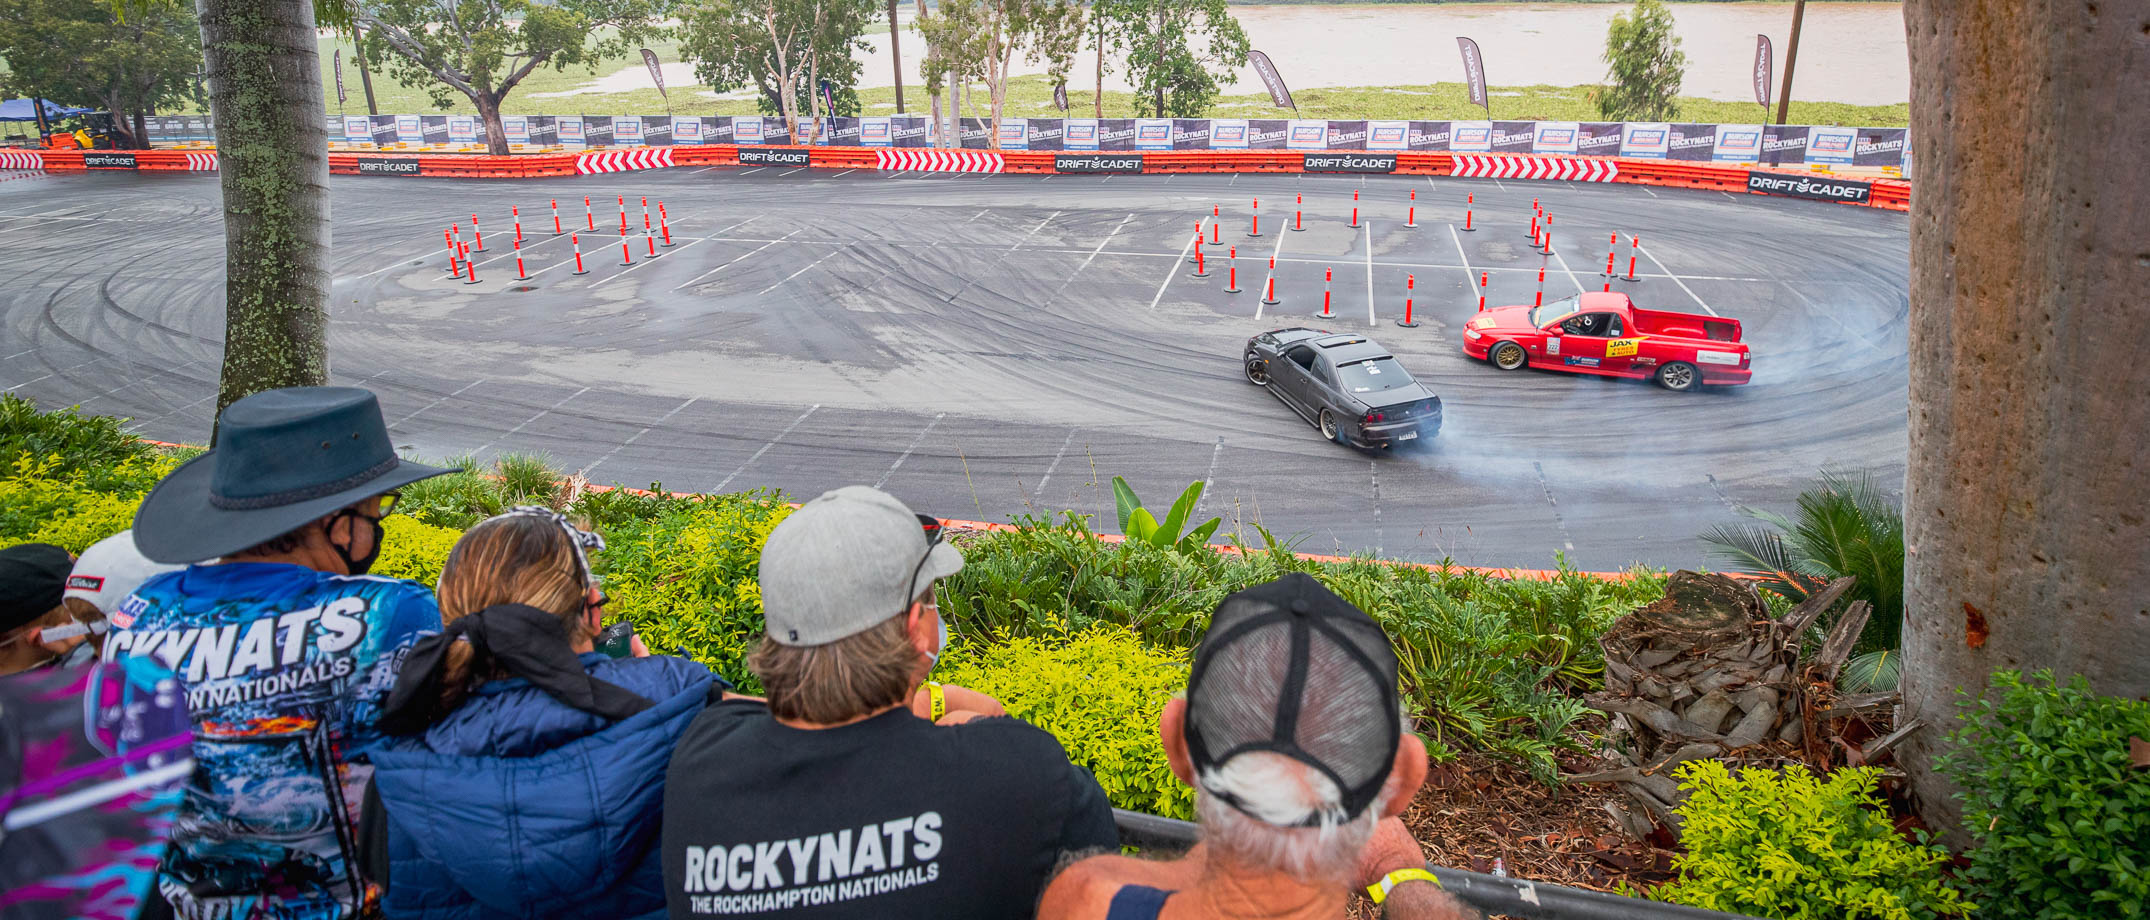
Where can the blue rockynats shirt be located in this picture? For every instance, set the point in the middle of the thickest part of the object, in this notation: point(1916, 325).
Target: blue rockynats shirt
point(285, 670)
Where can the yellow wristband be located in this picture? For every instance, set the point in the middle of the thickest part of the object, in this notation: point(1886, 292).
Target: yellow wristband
point(1380, 892)
point(940, 700)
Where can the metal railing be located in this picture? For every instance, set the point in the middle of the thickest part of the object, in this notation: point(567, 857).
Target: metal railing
point(1491, 894)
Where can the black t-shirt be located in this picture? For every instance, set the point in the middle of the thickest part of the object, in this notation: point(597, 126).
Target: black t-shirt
point(890, 817)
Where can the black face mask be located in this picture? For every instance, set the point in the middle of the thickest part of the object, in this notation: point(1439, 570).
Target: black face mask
point(358, 565)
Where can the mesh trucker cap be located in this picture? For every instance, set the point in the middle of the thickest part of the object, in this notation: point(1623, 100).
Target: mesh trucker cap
point(1291, 668)
point(844, 562)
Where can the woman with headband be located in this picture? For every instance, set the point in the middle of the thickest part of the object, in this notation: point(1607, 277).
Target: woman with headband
point(528, 778)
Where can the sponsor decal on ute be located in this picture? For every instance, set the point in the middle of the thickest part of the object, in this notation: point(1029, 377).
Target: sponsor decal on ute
point(1580, 362)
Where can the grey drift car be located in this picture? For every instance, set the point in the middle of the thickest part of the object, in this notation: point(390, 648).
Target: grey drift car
point(1348, 387)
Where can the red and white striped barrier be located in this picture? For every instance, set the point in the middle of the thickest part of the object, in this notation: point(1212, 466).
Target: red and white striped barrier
point(21, 159)
point(612, 161)
point(981, 161)
point(201, 162)
point(1505, 166)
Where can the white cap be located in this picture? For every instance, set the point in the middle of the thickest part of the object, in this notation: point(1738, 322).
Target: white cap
point(110, 570)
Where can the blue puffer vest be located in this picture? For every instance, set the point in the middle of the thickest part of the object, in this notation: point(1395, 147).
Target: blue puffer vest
point(516, 805)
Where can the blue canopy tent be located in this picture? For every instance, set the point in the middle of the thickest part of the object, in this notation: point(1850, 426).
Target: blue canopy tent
point(21, 110)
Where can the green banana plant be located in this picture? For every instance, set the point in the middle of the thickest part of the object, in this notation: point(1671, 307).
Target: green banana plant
point(1139, 524)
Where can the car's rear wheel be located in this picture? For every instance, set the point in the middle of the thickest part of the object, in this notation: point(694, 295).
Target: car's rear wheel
point(1679, 377)
point(1509, 356)
point(1258, 372)
point(1329, 428)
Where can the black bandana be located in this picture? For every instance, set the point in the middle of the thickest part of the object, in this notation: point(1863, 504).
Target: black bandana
point(523, 640)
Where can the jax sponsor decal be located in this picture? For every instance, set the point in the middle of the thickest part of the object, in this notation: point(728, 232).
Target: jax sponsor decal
point(1014, 134)
point(1819, 187)
point(570, 127)
point(1622, 348)
point(103, 160)
point(1388, 135)
point(1829, 144)
point(747, 129)
point(462, 129)
point(874, 131)
point(1555, 137)
point(1153, 134)
point(1308, 135)
point(1350, 162)
point(686, 131)
point(1650, 140)
point(1472, 137)
point(775, 157)
point(1228, 134)
point(517, 127)
point(1081, 134)
point(410, 130)
point(1430, 135)
point(627, 130)
point(846, 864)
point(357, 129)
point(1737, 144)
point(1097, 163)
point(384, 166)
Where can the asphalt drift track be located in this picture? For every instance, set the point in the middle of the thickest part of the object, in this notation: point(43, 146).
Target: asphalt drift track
point(992, 345)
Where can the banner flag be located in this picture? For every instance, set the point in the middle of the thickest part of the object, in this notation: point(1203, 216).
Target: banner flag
point(1761, 70)
point(1278, 94)
point(1060, 95)
point(1474, 74)
point(339, 77)
point(649, 59)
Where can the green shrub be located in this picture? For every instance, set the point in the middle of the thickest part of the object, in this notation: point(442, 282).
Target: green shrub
point(414, 550)
point(1845, 526)
point(1098, 691)
point(1488, 664)
point(689, 580)
point(1788, 845)
point(75, 444)
point(2058, 817)
point(43, 501)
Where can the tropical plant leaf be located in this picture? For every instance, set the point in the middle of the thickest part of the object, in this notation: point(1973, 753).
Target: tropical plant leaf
point(1141, 525)
point(1124, 501)
point(1872, 672)
point(1169, 532)
point(1195, 538)
point(1758, 550)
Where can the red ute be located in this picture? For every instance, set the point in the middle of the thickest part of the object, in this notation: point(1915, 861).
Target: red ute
point(1607, 335)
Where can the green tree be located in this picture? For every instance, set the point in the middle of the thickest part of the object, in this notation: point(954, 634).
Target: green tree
point(484, 50)
point(1178, 51)
point(84, 52)
point(980, 40)
point(784, 48)
point(1647, 65)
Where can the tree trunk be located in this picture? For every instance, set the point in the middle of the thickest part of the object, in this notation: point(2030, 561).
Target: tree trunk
point(1097, 96)
point(496, 135)
point(2024, 501)
point(895, 55)
point(141, 130)
point(272, 158)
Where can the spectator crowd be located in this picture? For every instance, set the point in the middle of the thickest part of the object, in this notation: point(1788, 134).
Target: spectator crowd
point(489, 748)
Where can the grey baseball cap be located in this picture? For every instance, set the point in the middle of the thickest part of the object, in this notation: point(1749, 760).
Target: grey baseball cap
point(844, 562)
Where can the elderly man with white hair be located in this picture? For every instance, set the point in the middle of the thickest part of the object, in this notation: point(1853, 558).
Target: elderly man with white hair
point(1291, 733)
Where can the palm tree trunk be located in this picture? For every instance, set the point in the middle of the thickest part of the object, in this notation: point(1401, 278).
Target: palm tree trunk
point(2023, 504)
point(272, 158)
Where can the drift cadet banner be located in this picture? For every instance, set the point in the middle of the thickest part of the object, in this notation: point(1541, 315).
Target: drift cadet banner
point(1824, 188)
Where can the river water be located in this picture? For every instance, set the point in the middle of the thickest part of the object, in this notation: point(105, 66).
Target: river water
point(1849, 52)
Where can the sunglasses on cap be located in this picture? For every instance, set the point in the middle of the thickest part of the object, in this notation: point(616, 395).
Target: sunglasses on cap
point(932, 526)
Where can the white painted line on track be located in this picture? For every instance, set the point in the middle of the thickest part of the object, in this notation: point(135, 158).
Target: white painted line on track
point(1373, 475)
point(1470, 278)
point(750, 172)
point(809, 266)
point(647, 260)
point(1174, 270)
point(790, 171)
point(720, 268)
point(765, 448)
point(1102, 244)
point(708, 168)
point(1497, 184)
point(140, 423)
point(1040, 490)
point(616, 448)
point(1371, 320)
point(1646, 190)
point(1033, 231)
point(906, 455)
point(1676, 280)
point(1209, 479)
point(526, 422)
point(429, 406)
point(43, 376)
point(1571, 272)
point(844, 173)
point(1270, 274)
point(18, 354)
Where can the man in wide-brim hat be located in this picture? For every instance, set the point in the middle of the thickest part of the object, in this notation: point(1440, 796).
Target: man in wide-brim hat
point(283, 643)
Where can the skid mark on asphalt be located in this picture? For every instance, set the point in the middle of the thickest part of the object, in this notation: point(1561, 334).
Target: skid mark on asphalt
point(1373, 475)
point(638, 435)
point(765, 448)
point(1040, 490)
point(526, 422)
point(906, 455)
point(429, 406)
point(1722, 496)
point(1547, 488)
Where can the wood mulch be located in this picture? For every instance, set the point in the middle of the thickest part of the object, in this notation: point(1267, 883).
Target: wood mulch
point(1475, 810)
